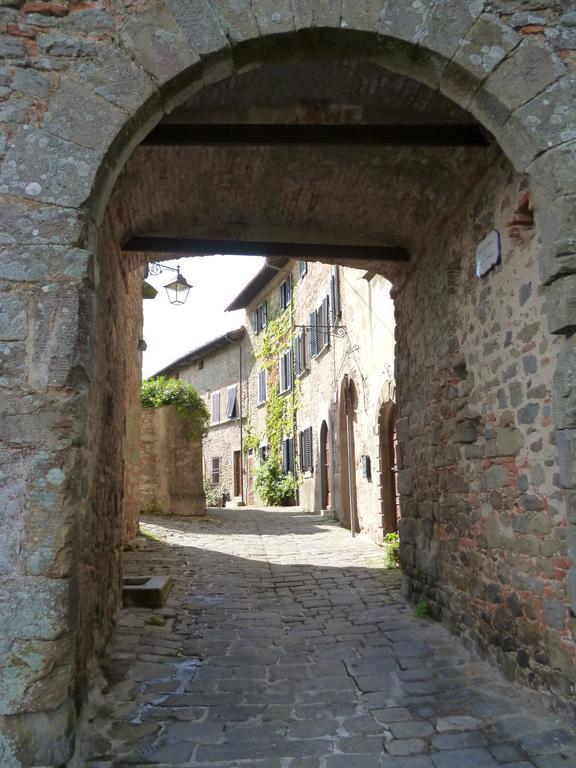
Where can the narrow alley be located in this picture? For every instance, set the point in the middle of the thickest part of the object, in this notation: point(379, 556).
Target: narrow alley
point(285, 644)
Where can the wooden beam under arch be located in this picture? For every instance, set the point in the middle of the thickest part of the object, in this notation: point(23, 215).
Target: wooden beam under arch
point(184, 135)
point(201, 246)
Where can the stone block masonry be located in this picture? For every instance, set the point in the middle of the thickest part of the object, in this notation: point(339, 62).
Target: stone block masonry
point(170, 466)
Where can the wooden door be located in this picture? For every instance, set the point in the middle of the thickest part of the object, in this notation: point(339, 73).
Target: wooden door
point(237, 473)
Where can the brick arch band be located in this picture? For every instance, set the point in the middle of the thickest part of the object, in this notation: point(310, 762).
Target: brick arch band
point(55, 182)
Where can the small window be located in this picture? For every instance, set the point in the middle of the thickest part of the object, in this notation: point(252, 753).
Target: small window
point(287, 455)
point(320, 328)
point(232, 404)
point(262, 453)
point(215, 473)
point(302, 269)
point(200, 364)
point(285, 294)
point(215, 407)
point(285, 371)
point(262, 386)
point(300, 356)
point(306, 461)
point(260, 317)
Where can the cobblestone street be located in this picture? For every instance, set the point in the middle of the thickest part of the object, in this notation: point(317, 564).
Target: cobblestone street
point(285, 644)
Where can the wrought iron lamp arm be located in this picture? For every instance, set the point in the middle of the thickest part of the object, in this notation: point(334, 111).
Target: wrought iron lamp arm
point(339, 331)
point(155, 268)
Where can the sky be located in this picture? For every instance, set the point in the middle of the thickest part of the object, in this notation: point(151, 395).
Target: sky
point(170, 331)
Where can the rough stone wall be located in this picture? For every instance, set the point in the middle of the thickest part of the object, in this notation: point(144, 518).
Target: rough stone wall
point(109, 457)
point(484, 531)
point(170, 466)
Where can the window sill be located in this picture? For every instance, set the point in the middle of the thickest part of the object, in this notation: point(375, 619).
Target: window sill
point(285, 391)
point(259, 405)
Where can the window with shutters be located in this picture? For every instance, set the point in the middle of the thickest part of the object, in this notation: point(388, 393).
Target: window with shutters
point(306, 459)
point(320, 328)
point(302, 269)
point(287, 455)
point(300, 355)
point(314, 334)
point(260, 317)
point(215, 473)
point(215, 407)
point(232, 404)
point(262, 386)
point(335, 294)
point(285, 294)
point(262, 453)
point(285, 371)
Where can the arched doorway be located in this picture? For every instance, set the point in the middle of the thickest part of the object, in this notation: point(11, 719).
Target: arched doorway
point(388, 443)
point(347, 469)
point(69, 293)
point(325, 484)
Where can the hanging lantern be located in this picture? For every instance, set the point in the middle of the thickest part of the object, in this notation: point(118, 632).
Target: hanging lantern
point(178, 290)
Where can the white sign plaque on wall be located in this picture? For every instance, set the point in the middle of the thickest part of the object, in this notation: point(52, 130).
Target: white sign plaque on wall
point(488, 253)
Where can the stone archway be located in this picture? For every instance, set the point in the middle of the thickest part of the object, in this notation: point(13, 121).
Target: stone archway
point(71, 134)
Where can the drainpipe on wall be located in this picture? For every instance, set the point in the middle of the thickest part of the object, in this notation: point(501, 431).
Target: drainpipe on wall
point(347, 406)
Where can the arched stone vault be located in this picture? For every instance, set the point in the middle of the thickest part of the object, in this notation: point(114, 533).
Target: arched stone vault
point(70, 129)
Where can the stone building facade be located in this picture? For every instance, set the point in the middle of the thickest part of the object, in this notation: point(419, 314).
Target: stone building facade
point(483, 365)
point(218, 370)
point(340, 325)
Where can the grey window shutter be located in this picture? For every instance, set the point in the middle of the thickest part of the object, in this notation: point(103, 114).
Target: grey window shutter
point(284, 456)
point(282, 374)
point(216, 406)
point(290, 454)
point(231, 405)
point(255, 320)
point(335, 291)
point(302, 452)
point(264, 309)
point(325, 322)
point(297, 363)
point(313, 334)
point(308, 441)
point(289, 368)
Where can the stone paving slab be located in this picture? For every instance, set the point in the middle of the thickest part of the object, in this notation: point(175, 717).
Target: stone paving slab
point(286, 644)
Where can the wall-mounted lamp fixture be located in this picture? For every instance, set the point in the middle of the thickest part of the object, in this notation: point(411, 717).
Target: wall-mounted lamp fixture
point(178, 290)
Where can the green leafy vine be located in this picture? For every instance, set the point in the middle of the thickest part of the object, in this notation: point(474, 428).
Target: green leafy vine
point(280, 411)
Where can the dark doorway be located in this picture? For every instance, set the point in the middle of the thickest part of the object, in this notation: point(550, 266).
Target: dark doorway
point(347, 420)
point(389, 467)
point(325, 467)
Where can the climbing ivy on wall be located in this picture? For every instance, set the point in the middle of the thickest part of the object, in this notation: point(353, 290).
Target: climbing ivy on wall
point(191, 407)
point(280, 412)
point(280, 409)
